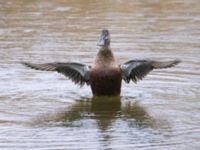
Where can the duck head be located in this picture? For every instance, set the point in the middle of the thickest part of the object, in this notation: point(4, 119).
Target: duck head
point(104, 40)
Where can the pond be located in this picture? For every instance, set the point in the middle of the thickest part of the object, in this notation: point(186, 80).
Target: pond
point(43, 110)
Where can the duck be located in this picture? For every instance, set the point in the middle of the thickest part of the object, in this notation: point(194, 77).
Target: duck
point(105, 75)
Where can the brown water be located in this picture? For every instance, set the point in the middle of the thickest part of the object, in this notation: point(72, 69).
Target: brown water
point(42, 110)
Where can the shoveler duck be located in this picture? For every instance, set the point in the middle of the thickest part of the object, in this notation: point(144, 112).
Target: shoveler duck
point(105, 75)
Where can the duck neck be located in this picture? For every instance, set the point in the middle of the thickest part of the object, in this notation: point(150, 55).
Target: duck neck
point(105, 56)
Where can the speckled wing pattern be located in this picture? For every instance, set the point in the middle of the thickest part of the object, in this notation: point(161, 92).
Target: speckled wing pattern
point(77, 72)
point(136, 70)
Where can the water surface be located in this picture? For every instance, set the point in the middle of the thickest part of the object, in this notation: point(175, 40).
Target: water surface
point(42, 110)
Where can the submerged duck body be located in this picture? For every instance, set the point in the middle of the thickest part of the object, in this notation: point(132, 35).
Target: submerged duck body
point(105, 75)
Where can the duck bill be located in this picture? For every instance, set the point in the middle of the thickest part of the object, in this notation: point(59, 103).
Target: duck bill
point(101, 41)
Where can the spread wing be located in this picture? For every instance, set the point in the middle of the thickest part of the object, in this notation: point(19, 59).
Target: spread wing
point(137, 69)
point(78, 73)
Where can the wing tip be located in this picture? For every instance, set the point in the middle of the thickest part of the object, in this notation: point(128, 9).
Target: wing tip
point(166, 64)
point(177, 61)
point(25, 64)
point(32, 66)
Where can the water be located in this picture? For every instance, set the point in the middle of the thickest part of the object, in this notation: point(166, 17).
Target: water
point(42, 110)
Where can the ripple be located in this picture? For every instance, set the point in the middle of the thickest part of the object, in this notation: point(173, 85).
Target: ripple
point(40, 110)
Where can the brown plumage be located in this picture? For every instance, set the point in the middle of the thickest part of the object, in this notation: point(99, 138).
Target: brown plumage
point(105, 75)
point(105, 80)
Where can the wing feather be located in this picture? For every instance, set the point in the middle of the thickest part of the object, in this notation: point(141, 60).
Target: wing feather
point(77, 72)
point(137, 69)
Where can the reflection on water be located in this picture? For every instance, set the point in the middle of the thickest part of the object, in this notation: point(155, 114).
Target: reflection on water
point(108, 118)
point(104, 110)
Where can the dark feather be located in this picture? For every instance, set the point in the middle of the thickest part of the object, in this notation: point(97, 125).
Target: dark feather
point(78, 73)
point(137, 69)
